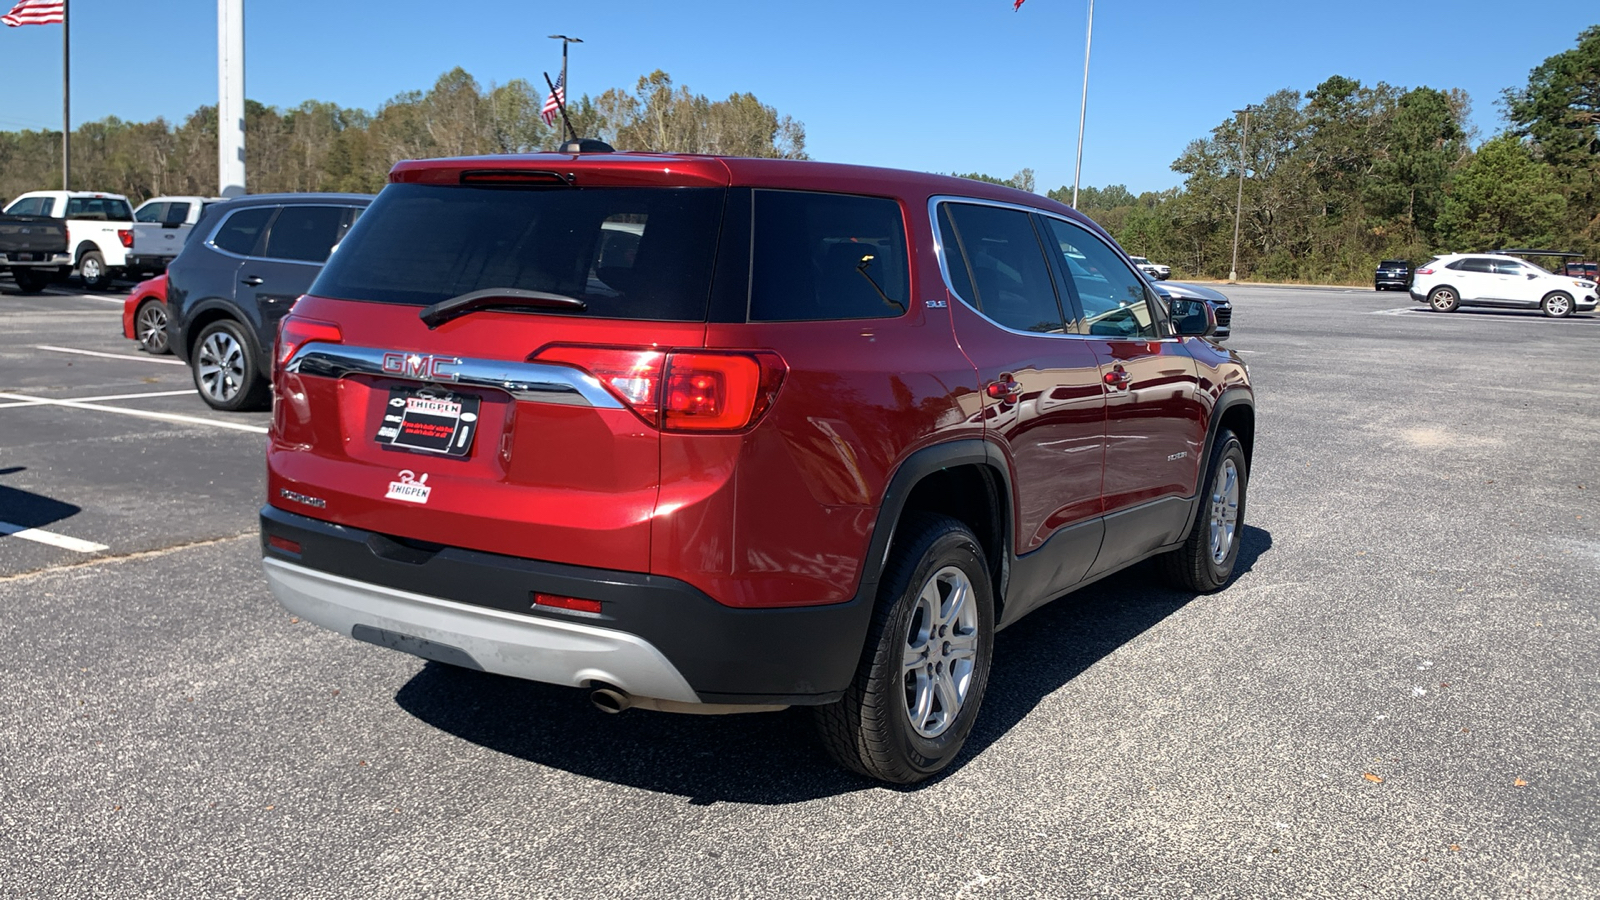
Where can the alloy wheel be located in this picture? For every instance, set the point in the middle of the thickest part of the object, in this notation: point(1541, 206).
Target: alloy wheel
point(151, 327)
point(1224, 511)
point(221, 366)
point(1443, 300)
point(1558, 306)
point(940, 651)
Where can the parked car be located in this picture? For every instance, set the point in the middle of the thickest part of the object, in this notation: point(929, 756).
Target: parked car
point(33, 246)
point(1493, 280)
point(1392, 273)
point(1588, 271)
point(1221, 306)
point(144, 315)
point(810, 436)
point(99, 226)
point(248, 262)
point(1154, 270)
point(160, 226)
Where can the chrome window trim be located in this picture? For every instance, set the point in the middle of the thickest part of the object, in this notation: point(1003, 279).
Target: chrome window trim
point(944, 263)
point(211, 238)
point(536, 382)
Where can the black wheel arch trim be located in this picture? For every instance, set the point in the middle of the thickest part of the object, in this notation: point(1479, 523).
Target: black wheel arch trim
point(911, 472)
point(188, 334)
point(1231, 398)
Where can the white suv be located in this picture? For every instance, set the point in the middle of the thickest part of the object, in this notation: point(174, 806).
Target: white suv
point(1492, 279)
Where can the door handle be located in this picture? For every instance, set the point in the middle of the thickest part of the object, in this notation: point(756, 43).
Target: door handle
point(1118, 378)
point(1006, 389)
point(253, 280)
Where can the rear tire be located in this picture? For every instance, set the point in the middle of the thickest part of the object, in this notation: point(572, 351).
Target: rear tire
point(224, 367)
point(925, 666)
point(150, 327)
point(29, 281)
point(1556, 305)
point(1444, 299)
point(92, 269)
point(1205, 561)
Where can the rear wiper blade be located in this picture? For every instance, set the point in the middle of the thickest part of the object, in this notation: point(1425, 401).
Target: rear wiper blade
point(496, 298)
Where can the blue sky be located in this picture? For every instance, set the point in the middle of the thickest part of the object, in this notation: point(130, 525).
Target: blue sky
point(938, 85)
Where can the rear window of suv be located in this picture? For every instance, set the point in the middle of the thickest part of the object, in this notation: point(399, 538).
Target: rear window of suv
point(629, 253)
point(827, 256)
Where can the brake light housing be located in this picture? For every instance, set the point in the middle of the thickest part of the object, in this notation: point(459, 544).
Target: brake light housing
point(681, 390)
point(125, 235)
point(1425, 270)
point(295, 332)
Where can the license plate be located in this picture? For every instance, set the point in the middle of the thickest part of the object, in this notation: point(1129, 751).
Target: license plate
point(25, 257)
point(428, 421)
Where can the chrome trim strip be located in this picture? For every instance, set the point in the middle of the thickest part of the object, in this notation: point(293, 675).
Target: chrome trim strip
point(536, 382)
point(944, 265)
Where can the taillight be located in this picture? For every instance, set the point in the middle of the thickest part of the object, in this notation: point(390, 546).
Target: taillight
point(1425, 270)
point(295, 332)
point(125, 235)
point(689, 390)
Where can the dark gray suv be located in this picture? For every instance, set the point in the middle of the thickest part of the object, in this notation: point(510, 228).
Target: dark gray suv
point(244, 265)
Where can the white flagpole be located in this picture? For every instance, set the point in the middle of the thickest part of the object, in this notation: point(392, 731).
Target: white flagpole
point(1083, 109)
point(66, 98)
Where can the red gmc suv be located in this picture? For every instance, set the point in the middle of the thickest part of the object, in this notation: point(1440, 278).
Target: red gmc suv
point(716, 435)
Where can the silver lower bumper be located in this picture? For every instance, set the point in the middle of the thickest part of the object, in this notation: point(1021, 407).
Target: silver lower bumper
point(537, 649)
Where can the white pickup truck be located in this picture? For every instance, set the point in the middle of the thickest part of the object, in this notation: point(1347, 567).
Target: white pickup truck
point(160, 226)
point(99, 226)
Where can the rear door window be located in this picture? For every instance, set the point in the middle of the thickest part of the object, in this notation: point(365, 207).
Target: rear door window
point(827, 256)
point(177, 214)
point(629, 253)
point(1472, 265)
point(304, 233)
point(98, 209)
point(242, 230)
point(1005, 267)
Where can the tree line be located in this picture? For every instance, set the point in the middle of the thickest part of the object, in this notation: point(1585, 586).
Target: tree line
point(1344, 175)
point(325, 147)
point(1336, 178)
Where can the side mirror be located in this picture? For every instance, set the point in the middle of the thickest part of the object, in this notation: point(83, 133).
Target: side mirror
point(1193, 318)
point(1532, 276)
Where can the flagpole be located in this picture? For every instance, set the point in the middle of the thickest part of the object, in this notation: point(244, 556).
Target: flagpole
point(66, 98)
point(564, 86)
point(1083, 109)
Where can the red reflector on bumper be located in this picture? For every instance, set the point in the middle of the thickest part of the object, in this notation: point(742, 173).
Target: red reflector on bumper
point(573, 603)
point(283, 544)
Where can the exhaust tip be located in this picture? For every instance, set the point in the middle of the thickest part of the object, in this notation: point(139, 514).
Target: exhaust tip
point(610, 701)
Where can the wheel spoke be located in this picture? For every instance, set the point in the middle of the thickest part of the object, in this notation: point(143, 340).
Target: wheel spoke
point(922, 707)
point(949, 702)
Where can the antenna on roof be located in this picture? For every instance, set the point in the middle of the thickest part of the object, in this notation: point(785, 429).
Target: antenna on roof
point(574, 144)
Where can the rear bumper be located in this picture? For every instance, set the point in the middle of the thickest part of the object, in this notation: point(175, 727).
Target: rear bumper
point(40, 259)
point(147, 263)
point(538, 649)
point(654, 637)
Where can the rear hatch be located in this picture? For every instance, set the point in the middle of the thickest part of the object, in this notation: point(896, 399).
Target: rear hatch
point(524, 418)
point(32, 234)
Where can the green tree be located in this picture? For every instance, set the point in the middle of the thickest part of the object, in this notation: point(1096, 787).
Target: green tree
point(1558, 111)
point(1503, 197)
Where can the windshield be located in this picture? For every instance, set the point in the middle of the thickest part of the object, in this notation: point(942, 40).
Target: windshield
point(629, 253)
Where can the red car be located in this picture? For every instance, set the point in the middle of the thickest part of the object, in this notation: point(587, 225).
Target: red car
point(712, 435)
point(144, 315)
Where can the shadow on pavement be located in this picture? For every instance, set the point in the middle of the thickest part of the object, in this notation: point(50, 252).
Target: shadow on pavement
point(31, 510)
point(774, 758)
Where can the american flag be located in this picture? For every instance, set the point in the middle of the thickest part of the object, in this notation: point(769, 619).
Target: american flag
point(556, 100)
point(36, 12)
point(1016, 6)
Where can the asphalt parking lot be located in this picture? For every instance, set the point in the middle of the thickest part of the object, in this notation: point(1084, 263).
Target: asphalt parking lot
point(1396, 698)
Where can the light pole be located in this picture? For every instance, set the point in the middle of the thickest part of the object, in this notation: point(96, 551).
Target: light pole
point(230, 98)
point(565, 88)
point(1238, 206)
point(1083, 108)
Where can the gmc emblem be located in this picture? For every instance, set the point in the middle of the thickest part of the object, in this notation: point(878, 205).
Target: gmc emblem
point(420, 366)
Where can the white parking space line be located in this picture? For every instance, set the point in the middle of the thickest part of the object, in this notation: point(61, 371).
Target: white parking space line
point(50, 537)
point(106, 397)
point(149, 359)
point(138, 413)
